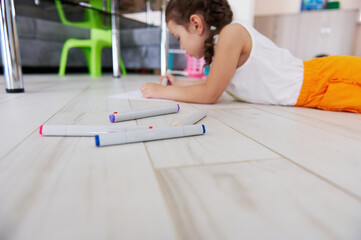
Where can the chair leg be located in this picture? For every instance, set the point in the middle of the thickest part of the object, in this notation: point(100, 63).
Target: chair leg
point(86, 51)
point(96, 61)
point(124, 71)
point(64, 58)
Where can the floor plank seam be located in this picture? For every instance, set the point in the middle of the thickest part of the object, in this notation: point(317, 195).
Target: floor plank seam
point(76, 95)
point(353, 195)
point(217, 164)
point(340, 188)
point(18, 144)
point(36, 130)
point(315, 119)
point(172, 215)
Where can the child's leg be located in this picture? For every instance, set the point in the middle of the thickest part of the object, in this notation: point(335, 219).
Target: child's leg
point(332, 83)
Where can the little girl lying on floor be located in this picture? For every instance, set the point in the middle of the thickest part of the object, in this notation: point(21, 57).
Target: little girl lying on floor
point(250, 67)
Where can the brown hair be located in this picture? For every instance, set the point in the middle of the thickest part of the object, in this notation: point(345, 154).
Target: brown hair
point(216, 13)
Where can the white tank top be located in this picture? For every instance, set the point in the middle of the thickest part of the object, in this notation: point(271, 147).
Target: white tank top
point(271, 75)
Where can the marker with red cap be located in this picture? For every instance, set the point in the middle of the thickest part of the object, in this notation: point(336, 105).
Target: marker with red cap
point(84, 130)
point(148, 135)
point(143, 113)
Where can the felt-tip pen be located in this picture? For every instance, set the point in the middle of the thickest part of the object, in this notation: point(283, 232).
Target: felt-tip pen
point(192, 119)
point(142, 113)
point(84, 130)
point(148, 135)
point(165, 81)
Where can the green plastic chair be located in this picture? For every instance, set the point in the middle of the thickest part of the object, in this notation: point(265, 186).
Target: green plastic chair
point(92, 48)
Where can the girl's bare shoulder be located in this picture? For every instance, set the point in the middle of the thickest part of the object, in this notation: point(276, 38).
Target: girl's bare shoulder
point(235, 33)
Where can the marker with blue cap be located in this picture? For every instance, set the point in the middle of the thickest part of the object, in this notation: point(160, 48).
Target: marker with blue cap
point(143, 113)
point(148, 135)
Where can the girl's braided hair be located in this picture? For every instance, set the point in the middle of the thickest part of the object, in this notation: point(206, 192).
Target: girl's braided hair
point(216, 13)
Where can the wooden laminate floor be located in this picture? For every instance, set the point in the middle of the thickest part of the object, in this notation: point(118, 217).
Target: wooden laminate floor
point(259, 172)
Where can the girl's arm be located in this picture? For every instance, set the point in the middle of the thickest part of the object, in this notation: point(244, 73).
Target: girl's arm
point(233, 42)
point(172, 80)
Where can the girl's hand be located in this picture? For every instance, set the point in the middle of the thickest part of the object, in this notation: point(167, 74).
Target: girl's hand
point(172, 80)
point(152, 90)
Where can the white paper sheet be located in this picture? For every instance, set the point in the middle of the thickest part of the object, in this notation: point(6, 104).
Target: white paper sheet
point(136, 95)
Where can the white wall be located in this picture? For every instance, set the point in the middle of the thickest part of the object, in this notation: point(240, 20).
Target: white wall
point(247, 9)
point(243, 9)
point(350, 4)
point(269, 7)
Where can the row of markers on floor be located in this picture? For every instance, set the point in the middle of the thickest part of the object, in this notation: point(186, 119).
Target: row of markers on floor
point(113, 135)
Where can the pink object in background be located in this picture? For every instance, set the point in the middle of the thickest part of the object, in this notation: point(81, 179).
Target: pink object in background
point(195, 67)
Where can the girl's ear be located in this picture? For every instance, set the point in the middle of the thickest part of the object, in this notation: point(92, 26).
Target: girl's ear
point(196, 24)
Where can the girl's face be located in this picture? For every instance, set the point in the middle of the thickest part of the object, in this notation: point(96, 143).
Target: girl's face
point(191, 39)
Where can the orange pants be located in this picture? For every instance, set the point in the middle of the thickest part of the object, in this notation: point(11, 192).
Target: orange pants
point(332, 83)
